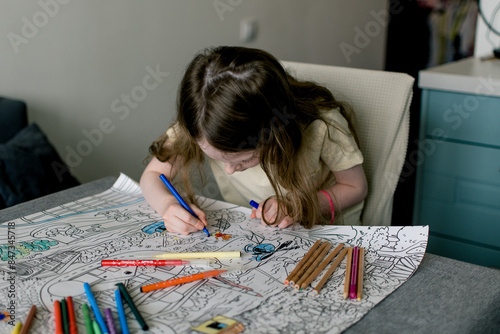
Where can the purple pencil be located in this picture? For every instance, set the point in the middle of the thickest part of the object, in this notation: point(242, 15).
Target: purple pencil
point(109, 321)
point(354, 276)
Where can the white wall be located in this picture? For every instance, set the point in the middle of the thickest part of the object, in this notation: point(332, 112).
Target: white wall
point(75, 62)
point(486, 40)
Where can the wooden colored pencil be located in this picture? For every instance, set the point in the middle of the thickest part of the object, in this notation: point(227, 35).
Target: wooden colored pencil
point(58, 317)
point(303, 261)
point(311, 259)
point(29, 320)
point(322, 266)
point(73, 327)
point(329, 272)
point(354, 273)
point(361, 272)
point(313, 266)
point(347, 282)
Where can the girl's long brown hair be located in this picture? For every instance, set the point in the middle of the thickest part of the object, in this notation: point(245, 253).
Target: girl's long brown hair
point(240, 99)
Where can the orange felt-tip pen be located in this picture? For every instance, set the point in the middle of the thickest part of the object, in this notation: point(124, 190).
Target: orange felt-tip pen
point(187, 279)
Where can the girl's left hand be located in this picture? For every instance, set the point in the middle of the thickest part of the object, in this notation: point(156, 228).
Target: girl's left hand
point(270, 212)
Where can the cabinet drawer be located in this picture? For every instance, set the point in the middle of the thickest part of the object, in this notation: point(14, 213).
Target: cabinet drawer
point(463, 117)
point(460, 194)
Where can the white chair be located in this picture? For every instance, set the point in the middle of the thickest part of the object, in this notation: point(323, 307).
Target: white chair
point(381, 102)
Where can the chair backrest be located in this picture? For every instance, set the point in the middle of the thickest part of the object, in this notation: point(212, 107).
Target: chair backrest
point(381, 102)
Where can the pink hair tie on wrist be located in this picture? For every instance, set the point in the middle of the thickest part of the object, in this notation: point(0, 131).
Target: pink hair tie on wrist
point(331, 205)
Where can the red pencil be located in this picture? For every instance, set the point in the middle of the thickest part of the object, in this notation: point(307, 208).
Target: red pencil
point(200, 262)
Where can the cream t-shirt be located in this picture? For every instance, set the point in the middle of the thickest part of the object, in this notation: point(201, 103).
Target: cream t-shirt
point(324, 156)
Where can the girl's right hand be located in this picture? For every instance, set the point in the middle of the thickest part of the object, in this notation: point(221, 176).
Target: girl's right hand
point(179, 220)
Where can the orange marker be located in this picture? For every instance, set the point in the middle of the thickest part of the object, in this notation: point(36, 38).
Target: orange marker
point(186, 279)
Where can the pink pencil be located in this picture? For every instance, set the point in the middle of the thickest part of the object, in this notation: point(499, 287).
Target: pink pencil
point(353, 294)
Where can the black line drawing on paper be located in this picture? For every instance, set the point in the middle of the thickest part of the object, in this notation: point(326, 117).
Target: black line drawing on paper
point(61, 248)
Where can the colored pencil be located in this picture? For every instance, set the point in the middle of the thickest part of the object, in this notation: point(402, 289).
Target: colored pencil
point(73, 327)
point(313, 266)
point(195, 262)
point(109, 321)
point(303, 261)
point(182, 280)
point(322, 266)
point(132, 306)
point(58, 317)
point(64, 313)
point(354, 274)
point(17, 328)
point(348, 273)
point(329, 272)
point(121, 312)
point(29, 320)
point(361, 271)
point(306, 266)
point(181, 200)
point(87, 318)
point(96, 327)
point(95, 309)
point(198, 255)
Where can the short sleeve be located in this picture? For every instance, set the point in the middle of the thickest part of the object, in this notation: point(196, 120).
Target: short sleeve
point(339, 151)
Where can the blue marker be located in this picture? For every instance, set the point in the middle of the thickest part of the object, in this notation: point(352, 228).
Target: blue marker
point(181, 200)
point(121, 312)
point(254, 204)
point(95, 308)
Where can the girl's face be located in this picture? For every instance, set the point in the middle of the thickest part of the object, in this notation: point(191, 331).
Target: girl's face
point(233, 162)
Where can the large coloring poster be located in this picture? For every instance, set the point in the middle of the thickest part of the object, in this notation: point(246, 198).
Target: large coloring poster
point(57, 250)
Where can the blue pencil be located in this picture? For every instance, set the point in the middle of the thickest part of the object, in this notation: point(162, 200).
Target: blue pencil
point(181, 200)
point(121, 312)
point(95, 308)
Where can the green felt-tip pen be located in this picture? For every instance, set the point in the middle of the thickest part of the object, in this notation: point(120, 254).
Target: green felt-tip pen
point(86, 317)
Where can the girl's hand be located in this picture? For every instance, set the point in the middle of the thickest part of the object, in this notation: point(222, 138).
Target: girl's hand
point(270, 211)
point(179, 220)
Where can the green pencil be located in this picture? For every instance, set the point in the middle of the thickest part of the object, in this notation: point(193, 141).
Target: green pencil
point(88, 321)
point(64, 311)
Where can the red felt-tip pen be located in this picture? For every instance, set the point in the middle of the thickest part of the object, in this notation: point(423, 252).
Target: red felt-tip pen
point(197, 262)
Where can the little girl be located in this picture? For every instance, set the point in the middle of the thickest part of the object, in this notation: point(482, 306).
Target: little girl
point(284, 143)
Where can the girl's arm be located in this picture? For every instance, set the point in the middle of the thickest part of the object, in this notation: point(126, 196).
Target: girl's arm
point(351, 188)
point(176, 218)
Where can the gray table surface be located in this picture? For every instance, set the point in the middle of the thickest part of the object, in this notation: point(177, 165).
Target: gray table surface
point(443, 296)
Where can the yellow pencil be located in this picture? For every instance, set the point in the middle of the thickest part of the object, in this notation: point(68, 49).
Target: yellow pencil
point(199, 255)
point(360, 272)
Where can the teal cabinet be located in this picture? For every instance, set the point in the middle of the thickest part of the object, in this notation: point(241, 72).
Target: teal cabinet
point(458, 167)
